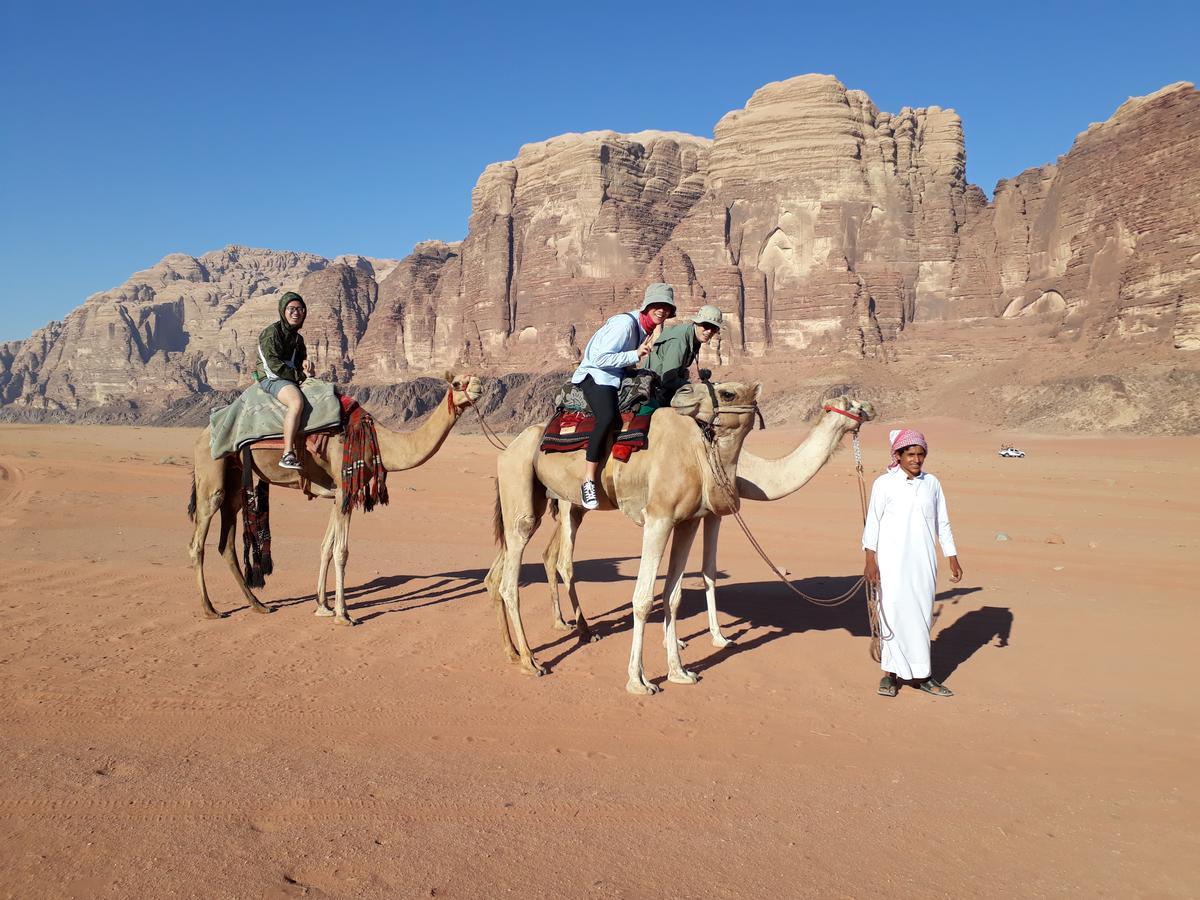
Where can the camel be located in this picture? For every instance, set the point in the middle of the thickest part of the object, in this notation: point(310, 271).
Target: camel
point(667, 488)
point(757, 479)
point(217, 485)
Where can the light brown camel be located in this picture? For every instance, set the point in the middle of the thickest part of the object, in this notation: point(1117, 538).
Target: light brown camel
point(217, 485)
point(667, 489)
point(757, 479)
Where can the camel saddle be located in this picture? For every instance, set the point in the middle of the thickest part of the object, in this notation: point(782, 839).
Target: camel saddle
point(315, 443)
point(256, 415)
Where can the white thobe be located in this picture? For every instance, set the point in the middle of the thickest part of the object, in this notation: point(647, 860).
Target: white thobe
point(906, 519)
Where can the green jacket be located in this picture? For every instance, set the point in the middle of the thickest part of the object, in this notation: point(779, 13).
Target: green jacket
point(281, 350)
point(675, 350)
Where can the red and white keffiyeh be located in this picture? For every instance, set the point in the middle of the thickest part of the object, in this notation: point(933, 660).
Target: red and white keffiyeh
point(901, 438)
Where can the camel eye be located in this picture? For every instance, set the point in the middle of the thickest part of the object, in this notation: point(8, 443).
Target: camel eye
point(728, 395)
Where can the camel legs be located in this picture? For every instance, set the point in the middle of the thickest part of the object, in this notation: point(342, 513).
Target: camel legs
point(229, 514)
point(208, 501)
point(323, 572)
point(566, 567)
point(518, 531)
point(216, 491)
point(492, 582)
point(712, 529)
point(550, 560)
point(681, 545)
point(654, 541)
point(339, 524)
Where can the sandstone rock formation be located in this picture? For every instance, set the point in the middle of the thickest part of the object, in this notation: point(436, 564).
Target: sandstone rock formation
point(824, 227)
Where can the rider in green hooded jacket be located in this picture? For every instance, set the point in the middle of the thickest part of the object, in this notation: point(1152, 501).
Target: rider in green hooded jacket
point(283, 365)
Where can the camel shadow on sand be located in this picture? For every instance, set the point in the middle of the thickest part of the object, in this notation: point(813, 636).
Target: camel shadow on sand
point(380, 596)
point(766, 607)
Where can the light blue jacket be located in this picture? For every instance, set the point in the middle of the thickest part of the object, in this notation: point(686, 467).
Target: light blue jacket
point(613, 347)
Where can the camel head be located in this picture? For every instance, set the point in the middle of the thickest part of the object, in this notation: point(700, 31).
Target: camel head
point(465, 389)
point(737, 407)
point(862, 410)
point(695, 401)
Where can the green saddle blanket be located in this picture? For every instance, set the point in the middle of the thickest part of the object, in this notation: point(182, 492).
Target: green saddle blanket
point(256, 415)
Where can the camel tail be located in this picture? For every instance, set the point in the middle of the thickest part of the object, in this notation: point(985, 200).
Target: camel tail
point(192, 501)
point(498, 521)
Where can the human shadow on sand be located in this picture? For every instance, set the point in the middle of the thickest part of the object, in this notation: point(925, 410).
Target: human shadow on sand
point(773, 610)
point(974, 630)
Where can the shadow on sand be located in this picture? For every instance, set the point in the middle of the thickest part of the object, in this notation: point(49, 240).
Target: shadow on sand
point(766, 606)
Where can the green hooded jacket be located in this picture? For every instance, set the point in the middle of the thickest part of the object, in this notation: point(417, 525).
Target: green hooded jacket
point(281, 350)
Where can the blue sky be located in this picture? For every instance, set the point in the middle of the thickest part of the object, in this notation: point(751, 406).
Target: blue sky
point(136, 130)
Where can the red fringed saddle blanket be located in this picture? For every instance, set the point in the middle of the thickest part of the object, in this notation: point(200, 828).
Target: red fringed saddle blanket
point(364, 479)
point(570, 430)
point(363, 482)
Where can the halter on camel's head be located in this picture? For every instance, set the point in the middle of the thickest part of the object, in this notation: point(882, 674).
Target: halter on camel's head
point(464, 391)
point(718, 407)
point(855, 411)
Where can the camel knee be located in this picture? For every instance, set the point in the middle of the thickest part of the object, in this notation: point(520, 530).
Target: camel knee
point(526, 526)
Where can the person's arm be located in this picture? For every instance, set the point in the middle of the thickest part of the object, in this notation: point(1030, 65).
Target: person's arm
point(303, 367)
point(609, 343)
point(946, 537)
point(870, 538)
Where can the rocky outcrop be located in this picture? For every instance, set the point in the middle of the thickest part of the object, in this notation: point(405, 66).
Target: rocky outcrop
point(818, 223)
point(563, 235)
point(1105, 240)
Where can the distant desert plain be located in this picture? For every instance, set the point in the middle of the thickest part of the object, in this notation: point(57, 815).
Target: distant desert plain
point(150, 752)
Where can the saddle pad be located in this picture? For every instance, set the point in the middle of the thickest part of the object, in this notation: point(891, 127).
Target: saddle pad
point(569, 431)
point(256, 414)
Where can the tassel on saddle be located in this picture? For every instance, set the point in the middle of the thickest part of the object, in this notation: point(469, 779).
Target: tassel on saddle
point(256, 524)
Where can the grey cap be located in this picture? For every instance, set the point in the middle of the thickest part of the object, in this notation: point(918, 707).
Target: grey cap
point(658, 293)
point(708, 315)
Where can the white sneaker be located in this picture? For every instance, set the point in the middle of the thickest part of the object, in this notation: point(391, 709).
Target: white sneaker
point(289, 461)
point(588, 493)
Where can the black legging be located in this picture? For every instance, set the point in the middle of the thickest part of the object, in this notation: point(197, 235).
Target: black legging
point(603, 401)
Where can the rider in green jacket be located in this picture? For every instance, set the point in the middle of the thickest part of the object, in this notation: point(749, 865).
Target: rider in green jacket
point(282, 367)
point(678, 347)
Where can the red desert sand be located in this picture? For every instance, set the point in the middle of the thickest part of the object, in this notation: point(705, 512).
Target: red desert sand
point(149, 752)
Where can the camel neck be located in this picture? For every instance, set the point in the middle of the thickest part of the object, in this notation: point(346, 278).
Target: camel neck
point(408, 449)
point(770, 479)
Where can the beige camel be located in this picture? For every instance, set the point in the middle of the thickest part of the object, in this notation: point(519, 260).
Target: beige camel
point(757, 479)
point(217, 485)
point(667, 489)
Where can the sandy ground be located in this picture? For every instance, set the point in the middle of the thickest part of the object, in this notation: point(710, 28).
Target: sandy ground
point(149, 752)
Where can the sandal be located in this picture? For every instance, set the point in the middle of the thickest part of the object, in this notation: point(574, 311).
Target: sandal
point(930, 686)
point(888, 686)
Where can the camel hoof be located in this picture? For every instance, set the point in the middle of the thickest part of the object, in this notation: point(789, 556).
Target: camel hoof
point(344, 620)
point(324, 612)
point(588, 637)
point(560, 625)
point(683, 676)
point(213, 614)
point(260, 609)
point(719, 640)
point(641, 687)
point(534, 669)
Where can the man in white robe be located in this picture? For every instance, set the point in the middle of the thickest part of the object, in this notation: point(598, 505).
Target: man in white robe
point(906, 519)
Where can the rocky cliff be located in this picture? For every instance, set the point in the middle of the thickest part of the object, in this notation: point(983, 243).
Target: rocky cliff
point(822, 226)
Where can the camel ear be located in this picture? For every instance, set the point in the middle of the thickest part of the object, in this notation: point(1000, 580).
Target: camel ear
point(448, 376)
point(757, 391)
